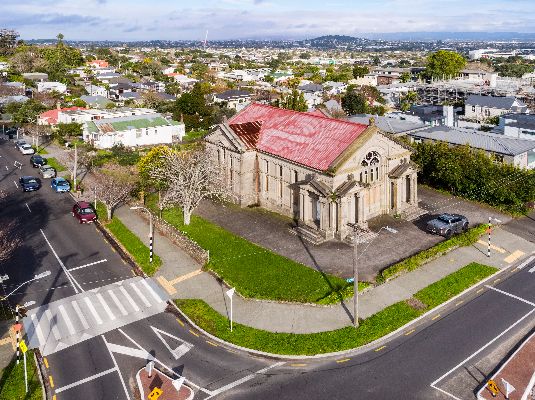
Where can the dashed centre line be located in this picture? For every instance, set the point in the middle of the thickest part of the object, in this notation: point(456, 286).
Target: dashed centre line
point(410, 332)
point(380, 348)
point(194, 333)
point(180, 322)
point(435, 317)
point(343, 360)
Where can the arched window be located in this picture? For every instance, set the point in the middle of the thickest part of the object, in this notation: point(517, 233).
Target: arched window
point(370, 167)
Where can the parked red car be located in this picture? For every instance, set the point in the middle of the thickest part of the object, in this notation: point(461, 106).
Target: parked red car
point(84, 212)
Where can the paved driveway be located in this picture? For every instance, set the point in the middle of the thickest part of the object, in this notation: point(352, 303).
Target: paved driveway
point(272, 231)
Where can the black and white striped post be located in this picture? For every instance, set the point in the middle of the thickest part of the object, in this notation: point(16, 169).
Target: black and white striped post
point(17, 333)
point(489, 230)
point(151, 231)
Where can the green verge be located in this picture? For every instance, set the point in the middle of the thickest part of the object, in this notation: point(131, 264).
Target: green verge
point(453, 284)
point(41, 150)
point(55, 164)
point(416, 261)
point(12, 381)
point(370, 329)
point(253, 270)
point(131, 243)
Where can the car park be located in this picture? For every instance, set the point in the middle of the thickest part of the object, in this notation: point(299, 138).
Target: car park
point(26, 149)
point(84, 212)
point(36, 160)
point(448, 224)
point(29, 183)
point(47, 171)
point(60, 185)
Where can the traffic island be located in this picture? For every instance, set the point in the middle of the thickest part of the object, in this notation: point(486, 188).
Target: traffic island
point(159, 386)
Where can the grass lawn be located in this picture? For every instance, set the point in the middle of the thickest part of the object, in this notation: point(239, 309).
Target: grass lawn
point(12, 381)
point(370, 329)
point(453, 284)
point(56, 165)
point(464, 239)
point(255, 271)
point(131, 243)
point(41, 150)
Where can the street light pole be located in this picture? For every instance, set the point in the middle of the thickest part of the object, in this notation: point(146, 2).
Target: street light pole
point(151, 230)
point(356, 229)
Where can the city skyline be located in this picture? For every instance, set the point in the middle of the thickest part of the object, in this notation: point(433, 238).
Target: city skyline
point(257, 19)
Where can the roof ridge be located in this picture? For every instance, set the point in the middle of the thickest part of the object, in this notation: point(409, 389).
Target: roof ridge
point(300, 113)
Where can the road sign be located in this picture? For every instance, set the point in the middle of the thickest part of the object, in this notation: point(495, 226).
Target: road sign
point(17, 327)
point(508, 388)
point(230, 292)
point(149, 367)
point(493, 387)
point(23, 346)
point(177, 383)
point(156, 392)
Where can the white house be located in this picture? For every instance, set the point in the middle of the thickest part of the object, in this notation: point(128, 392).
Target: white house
point(236, 99)
point(94, 90)
point(133, 130)
point(481, 108)
point(51, 87)
point(521, 126)
point(84, 115)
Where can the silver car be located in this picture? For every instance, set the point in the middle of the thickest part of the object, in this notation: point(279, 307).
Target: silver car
point(448, 224)
point(47, 171)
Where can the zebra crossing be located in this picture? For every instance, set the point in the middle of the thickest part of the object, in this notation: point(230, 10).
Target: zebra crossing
point(66, 322)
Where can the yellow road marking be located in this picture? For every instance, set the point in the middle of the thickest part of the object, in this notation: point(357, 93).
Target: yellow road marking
point(113, 249)
point(51, 381)
point(409, 332)
point(54, 397)
point(492, 247)
point(298, 365)
point(480, 290)
point(513, 256)
point(231, 351)
point(185, 277)
point(166, 285)
point(497, 280)
point(380, 348)
point(459, 302)
point(6, 340)
point(212, 343)
point(435, 317)
point(45, 360)
point(343, 361)
point(193, 333)
point(180, 322)
point(133, 272)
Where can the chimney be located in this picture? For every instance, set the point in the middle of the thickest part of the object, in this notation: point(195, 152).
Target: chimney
point(493, 80)
point(58, 105)
point(447, 111)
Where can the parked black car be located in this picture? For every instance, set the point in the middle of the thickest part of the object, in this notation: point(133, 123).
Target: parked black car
point(448, 224)
point(36, 160)
point(29, 183)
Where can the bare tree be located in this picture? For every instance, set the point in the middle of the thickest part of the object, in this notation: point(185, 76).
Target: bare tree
point(36, 131)
point(113, 184)
point(9, 240)
point(191, 176)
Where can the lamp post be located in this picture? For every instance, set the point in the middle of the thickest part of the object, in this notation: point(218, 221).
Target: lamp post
point(151, 238)
point(357, 229)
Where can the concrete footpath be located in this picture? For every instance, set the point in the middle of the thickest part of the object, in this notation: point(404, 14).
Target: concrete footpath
point(182, 277)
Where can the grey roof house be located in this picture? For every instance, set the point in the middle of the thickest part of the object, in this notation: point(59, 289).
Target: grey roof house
point(521, 126)
point(518, 152)
point(481, 108)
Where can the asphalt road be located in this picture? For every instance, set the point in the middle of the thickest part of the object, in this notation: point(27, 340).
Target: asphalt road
point(434, 351)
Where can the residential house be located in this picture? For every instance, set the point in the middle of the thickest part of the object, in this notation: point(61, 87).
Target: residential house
point(518, 152)
point(389, 124)
point(50, 117)
point(36, 76)
point(236, 99)
point(94, 90)
point(323, 172)
point(133, 130)
point(521, 126)
point(96, 101)
point(185, 82)
point(98, 64)
point(81, 116)
point(335, 88)
point(481, 108)
point(43, 87)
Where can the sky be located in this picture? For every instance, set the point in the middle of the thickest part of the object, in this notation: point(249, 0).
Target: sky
point(130, 20)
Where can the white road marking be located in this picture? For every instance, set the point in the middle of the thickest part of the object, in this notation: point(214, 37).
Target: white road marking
point(7, 168)
point(92, 309)
point(68, 322)
point(531, 270)
point(151, 291)
point(433, 385)
point(117, 302)
point(53, 324)
point(511, 295)
point(87, 265)
point(130, 300)
point(180, 350)
point(80, 314)
point(130, 351)
point(69, 277)
point(529, 260)
point(17, 186)
point(28, 207)
point(38, 330)
point(140, 295)
point(106, 306)
point(117, 367)
point(245, 379)
point(82, 381)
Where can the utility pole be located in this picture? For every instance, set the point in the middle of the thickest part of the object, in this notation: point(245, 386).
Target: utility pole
point(75, 165)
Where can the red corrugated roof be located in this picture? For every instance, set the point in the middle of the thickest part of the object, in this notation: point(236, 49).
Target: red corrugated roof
point(51, 116)
point(304, 138)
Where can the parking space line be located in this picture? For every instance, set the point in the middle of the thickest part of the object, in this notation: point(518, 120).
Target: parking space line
point(17, 186)
point(28, 207)
point(87, 265)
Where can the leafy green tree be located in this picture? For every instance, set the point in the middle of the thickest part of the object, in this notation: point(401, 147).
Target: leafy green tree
point(514, 70)
point(199, 70)
point(408, 100)
point(25, 112)
point(354, 102)
point(359, 71)
point(294, 101)
point(444, 64)
point(405, 77)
